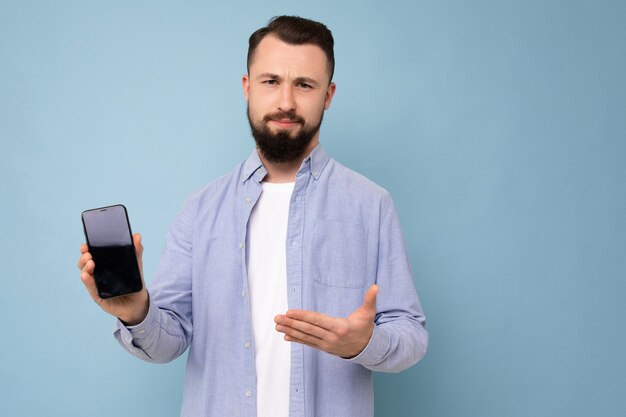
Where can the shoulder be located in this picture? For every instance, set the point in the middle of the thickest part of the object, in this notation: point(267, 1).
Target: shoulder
point(215, 193)
point(344, 179)
point(220, 185)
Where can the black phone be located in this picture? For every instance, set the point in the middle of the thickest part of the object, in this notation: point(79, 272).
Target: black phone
point(110, 243)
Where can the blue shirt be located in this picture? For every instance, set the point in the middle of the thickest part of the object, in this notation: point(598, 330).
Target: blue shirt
point(343, 235)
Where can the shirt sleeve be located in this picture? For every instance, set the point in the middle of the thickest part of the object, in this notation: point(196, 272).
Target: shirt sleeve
point(400, 338)
point(166, 331)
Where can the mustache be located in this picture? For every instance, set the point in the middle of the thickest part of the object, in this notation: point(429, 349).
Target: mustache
point(282, 115)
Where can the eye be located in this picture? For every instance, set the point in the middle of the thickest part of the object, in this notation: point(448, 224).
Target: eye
point(270, 82)
point(305, 86)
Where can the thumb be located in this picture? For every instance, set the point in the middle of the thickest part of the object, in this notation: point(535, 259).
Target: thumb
point(369, 301)
point(138, 250)
point(137, 243)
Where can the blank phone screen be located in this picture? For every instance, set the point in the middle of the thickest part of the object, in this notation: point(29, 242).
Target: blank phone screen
point(110, 243)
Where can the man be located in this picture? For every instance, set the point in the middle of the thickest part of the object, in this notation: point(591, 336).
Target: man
point(287, 278)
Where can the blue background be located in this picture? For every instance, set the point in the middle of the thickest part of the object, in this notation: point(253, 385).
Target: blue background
point(498, 126)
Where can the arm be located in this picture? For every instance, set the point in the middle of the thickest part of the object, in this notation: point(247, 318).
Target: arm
point(166, 331)
point(400, 338)
point(387, 332)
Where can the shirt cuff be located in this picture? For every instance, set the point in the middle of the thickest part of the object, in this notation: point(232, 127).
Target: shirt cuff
point(137, 336)
point(148, 325)
point(375, 351)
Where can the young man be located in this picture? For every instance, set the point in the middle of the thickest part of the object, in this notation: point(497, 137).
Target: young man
point(287, 278)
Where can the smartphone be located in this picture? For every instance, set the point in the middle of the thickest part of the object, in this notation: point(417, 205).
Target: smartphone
point(110, 243)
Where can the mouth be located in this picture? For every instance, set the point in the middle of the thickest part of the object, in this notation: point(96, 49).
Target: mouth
point(284, 120)
point(285, 123)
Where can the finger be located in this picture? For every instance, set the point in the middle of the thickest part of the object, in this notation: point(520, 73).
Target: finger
point(312, 317)
point(84, 248)
point(88, 266)
point(294, 335)
point(285, 324)
point(302, 342)
point(84, 258)
point(86, 276)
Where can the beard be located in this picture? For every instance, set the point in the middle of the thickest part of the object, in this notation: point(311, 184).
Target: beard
point(280, 147)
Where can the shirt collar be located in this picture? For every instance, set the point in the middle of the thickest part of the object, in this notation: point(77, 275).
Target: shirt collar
point(314, 164)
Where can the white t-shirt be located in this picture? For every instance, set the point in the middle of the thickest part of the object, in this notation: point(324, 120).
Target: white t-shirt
point(267, 281)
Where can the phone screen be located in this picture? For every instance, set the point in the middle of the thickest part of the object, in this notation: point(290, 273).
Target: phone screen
point(110, 243)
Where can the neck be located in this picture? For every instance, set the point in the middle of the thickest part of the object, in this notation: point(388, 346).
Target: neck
point(285, 171)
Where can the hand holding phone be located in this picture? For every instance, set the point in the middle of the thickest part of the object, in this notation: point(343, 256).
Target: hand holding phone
point(110, 264)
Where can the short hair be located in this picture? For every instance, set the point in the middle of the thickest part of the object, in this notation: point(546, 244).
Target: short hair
point(296, 30)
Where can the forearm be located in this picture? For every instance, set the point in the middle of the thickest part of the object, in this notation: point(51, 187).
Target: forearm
point(160, 338)
point(166, 331)
point(400, 338)
point(394, 346)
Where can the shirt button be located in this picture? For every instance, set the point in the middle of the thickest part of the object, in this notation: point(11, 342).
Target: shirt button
point(246, 345)
point(241, 245)
point(315, 173)
point(248, 200)
point(248, 393)
point(142, 331)
point(243, 293)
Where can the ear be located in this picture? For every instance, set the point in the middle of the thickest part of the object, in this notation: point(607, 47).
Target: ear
point(245, 83)
point(330, 92)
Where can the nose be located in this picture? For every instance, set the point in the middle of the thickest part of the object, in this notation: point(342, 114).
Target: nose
point(287, 102)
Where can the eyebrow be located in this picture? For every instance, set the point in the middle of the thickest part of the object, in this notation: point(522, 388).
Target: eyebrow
point(306, 80)
point(270, 75)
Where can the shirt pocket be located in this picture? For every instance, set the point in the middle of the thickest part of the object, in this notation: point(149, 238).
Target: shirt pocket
point(340, 254)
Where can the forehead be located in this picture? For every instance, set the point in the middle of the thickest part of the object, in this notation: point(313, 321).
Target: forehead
point(275, 56)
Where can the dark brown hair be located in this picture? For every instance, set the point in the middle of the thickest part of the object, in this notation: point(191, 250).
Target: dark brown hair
point(296, 30)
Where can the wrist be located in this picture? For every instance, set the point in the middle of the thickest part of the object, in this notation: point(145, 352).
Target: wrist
point(139, 314)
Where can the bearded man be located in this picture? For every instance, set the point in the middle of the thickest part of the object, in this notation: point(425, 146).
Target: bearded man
point(287, 278)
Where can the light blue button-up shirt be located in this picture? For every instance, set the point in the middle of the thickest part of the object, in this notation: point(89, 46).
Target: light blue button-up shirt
point(343, 235)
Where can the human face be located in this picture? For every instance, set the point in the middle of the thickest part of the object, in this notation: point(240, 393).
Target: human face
point(287, 91)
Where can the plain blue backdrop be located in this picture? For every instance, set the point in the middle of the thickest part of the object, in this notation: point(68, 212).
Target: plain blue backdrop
point(499, 127)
